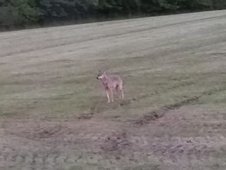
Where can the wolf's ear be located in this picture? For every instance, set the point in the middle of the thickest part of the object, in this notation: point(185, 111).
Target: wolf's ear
point(102, 71)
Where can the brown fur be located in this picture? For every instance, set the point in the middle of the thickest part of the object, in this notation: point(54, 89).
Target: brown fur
point(112, 83)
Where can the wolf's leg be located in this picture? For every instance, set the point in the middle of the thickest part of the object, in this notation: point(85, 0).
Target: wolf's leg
point(122, 93)
point(112, 95)
point(108, 96)
point(118, 91)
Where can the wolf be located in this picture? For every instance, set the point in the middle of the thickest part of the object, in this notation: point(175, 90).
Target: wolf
point(112, 83)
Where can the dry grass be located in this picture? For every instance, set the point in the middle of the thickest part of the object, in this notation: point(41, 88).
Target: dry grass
point(175, 79)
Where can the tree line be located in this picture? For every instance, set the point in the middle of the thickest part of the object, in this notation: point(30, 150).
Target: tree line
point(26, 13)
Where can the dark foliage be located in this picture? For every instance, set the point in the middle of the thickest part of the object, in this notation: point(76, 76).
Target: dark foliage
point(23, 13)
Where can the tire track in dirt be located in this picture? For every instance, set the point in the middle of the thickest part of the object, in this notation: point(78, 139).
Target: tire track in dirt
point(118, 145)
point(36, 160)
point(73, 147)
point(102, 143)
point(115, 142)
point(154, 115)
point(118, 142)
point(177, 148)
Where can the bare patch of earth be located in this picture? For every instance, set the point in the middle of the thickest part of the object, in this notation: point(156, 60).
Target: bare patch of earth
point(189, 137)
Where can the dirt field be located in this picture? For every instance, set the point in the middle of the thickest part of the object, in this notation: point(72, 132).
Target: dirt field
point(54, 115)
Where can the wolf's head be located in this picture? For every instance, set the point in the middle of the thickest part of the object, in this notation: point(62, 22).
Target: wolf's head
point(101, 75)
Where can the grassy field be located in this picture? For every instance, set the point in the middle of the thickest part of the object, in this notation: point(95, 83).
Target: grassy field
point(54, 115)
